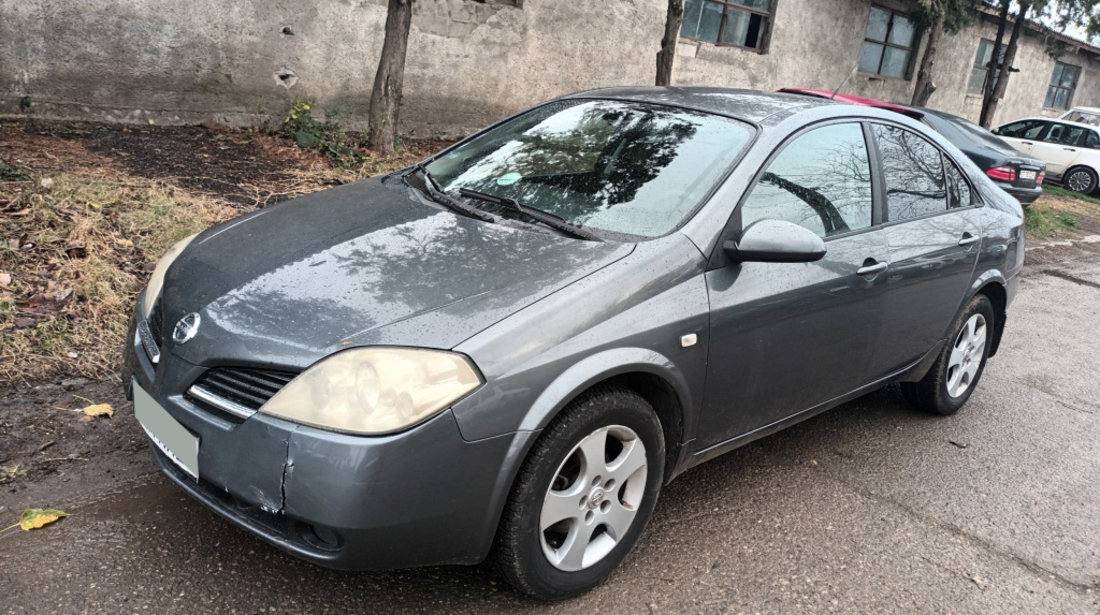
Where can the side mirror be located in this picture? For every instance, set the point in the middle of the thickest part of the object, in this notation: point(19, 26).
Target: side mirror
point(776, 241)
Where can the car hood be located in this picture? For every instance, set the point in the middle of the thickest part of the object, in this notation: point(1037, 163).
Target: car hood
point(360, 264)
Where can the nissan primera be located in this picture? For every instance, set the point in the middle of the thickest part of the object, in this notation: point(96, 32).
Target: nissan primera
point(506, 350)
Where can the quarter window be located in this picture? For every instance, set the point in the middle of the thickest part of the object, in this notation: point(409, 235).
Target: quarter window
point(888, 43)
point(744, 23)
point(958, 191)
point(821, 181)
point(912, 169)
point(1062, 84)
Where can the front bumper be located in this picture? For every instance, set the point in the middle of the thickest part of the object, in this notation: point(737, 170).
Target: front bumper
point(420, 497)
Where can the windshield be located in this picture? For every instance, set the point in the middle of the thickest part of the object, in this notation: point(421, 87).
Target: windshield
point(625, 167)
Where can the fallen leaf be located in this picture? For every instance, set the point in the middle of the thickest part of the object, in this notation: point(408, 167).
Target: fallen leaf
point(21, 212)
point(5, 279)
point(47, 183)
point(99, 410)
point(34, 518)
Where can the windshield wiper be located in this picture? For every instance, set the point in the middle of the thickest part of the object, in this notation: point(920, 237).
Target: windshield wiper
point(549, 219)
point(439, 196)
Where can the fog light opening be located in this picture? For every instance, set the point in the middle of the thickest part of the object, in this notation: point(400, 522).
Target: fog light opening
point(321, 537)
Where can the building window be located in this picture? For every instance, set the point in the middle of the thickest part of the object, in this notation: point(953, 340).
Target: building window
point(888, 44)
point(1062, 84)
point(743, 23)
point(981, 66)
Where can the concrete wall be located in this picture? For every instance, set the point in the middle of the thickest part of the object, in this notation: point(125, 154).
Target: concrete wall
point(469, 63)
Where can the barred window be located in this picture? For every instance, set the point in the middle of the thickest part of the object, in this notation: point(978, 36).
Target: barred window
point(741, 23)
point(888, 44)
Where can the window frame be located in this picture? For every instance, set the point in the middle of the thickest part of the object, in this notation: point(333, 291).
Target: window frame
point(985, 68)
point(1070, 90)
point(765, 28)
point(912, 50)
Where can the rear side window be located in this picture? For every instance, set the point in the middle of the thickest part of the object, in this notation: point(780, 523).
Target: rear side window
point(958, 191)
point(913, 173)
point(1064, 134)
point(1024, 129)
point(821, 180)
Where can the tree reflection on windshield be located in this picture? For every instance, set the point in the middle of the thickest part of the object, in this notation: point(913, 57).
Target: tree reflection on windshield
point(626, 167)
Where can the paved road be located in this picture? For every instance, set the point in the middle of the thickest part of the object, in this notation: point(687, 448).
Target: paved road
point(870, 508)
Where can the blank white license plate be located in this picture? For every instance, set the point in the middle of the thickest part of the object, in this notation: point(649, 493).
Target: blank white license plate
point(173, 439)
point(1027, 174)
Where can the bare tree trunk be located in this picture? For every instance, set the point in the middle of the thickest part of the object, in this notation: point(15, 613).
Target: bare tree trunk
point(989, 103)
point(667, 54)
point(994, 66)
point(385, 97)
point(925, 87)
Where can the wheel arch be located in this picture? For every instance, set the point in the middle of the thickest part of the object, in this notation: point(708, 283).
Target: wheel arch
point(995, 291)
point(646, 372)
point(1083, 165)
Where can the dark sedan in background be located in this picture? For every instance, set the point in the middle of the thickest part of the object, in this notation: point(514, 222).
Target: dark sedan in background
point(507, 350)
point(1010, 169)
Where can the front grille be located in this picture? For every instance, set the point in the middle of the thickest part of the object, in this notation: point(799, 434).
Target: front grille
point(236, 392)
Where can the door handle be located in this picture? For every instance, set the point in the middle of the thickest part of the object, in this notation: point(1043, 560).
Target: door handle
point(1027, 142)
point(872, 269)
point(1069, 149)
point(968, 239)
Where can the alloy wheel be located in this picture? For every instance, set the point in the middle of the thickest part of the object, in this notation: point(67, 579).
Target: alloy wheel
point(966, 356)
point(593, 498)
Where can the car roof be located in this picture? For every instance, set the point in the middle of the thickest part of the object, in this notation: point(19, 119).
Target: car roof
point(857, 100)
point(751, 105)
point(1085, 109)
point(1052, 119)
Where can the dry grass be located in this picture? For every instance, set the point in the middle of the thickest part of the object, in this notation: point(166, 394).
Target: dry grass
point(79, 236)
point(78, 250)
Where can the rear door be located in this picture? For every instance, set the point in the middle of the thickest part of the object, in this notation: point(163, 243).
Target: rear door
point(1058, 146)
point(933, 232)
point(786, 337)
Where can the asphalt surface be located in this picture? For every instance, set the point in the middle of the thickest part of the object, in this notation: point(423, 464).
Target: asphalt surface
point(870, 508)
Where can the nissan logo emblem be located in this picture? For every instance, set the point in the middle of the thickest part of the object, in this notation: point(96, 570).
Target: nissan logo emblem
point(186, 328)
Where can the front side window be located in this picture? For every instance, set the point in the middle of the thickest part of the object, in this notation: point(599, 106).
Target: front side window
point(1024, 129)
point(912, 170)
point(821, 181)
point(982, 66)
point(626, 167)
point(744, 23)
point(888, 43)
point(1062, 84)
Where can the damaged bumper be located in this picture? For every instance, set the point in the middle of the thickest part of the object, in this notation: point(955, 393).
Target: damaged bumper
point(421, 497)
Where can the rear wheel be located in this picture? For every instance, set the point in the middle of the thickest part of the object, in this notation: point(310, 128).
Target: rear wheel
point(1081, 179)
point(955, 373)
point(583, 496)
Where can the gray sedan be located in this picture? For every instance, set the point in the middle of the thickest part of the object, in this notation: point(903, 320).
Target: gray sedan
point(507, 350)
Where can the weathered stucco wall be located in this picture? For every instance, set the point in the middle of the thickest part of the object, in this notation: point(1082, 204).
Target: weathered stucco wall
point(469, 62)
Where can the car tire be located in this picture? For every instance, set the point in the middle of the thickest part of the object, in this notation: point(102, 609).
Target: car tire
point(955, 374)
point(1080, 179)
point(603, 505)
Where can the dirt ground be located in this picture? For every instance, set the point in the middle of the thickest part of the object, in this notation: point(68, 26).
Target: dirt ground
point(42, 432)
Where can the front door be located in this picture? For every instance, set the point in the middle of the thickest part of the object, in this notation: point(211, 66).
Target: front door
point(786, 337)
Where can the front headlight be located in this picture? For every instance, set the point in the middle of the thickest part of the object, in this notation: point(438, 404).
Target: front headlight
point(156, 281)
point(374, 391)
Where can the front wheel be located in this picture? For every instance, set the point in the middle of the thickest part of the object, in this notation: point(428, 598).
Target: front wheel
point(955, 373)
point(1081, 179)
point(583, 496)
